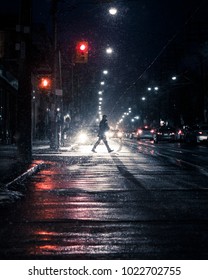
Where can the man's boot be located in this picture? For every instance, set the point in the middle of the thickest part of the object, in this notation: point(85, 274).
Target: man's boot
point(107, 146)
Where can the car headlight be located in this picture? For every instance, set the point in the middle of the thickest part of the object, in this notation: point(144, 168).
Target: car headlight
point(140, 131)
point(82, 137)
point(109, 134)
point(119, 134)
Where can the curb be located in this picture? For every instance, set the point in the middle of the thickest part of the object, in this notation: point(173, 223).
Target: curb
point(25, 175)
point(9, 193)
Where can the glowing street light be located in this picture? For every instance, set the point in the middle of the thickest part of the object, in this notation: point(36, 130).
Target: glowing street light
point(155, 88)
point(113, 11)
point(109, 50)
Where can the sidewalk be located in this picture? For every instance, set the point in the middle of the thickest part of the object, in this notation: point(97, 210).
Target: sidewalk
point(12, 173)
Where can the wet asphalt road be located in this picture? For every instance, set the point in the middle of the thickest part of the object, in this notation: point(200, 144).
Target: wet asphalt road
point(146, 201)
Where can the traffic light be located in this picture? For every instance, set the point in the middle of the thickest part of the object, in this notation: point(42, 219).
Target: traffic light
point(81, 52)
point(45, 83)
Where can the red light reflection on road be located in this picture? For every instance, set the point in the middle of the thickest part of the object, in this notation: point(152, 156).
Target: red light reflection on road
point(48, 178)
point(61, 193)
point(86, 240)
point(146, 149)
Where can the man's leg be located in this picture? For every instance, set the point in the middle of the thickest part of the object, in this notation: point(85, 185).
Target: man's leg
point(96, 144)
point(107, 146)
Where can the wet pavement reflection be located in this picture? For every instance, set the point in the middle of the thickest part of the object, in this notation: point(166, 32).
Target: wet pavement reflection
point(140, 203)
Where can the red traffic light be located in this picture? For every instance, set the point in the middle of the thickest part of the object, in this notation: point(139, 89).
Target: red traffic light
point(82, 47)
point(45, 83)
point(81, 52)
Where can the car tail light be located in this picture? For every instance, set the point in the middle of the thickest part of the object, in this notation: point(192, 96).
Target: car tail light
point(200, 132)
point(152, 131)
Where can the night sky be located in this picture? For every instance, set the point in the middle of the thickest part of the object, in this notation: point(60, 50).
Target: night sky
point(139, 34)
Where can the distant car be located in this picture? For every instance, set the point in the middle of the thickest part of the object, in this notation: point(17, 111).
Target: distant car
point(145, 132)
point(197, 134)
point(83, 135)
point(180, 134)
point(164, 133)
point(115, 133)
point(86, 135)
point(132, 134)
point(202, 133)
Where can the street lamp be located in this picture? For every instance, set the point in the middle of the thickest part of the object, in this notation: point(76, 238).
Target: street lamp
point(109, 50)
point(113, 11)
point(105, 72)
point(155, 88)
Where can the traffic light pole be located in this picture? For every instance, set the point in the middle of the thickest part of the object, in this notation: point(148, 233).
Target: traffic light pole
point(24, 120)
point(54, 143)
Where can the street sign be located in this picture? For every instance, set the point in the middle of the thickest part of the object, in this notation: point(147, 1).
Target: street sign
point(59, 92)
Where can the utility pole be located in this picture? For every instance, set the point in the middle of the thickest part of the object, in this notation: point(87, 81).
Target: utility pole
point(24, 127)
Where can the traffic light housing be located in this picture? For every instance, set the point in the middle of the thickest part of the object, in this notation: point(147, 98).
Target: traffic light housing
point(81, 52)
